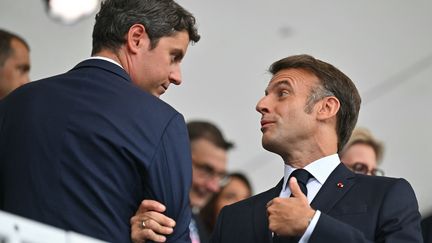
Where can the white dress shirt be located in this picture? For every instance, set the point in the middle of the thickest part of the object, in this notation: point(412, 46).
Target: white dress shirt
point(320, 169)
point(106, 59)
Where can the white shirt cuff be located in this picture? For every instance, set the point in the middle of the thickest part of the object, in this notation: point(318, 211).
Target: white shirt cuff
point(310, 228)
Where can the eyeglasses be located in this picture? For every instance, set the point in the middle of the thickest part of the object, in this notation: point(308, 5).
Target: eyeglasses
point(361, 168)
point(209, 172)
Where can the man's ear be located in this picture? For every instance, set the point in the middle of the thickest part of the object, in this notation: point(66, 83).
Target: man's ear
point(137, 38)
point(328, 108)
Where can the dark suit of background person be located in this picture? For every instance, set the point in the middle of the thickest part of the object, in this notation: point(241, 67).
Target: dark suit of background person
point(203, 233)
point(426, 225)
point(311, 107)
point(81, 150)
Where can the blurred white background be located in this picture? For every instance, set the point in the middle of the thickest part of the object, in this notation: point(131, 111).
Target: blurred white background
point(384, 46)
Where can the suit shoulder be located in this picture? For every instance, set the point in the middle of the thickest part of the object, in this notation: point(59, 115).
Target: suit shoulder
point(162, 113)
point(382, 183)
point(380, 180)
point(159, 104)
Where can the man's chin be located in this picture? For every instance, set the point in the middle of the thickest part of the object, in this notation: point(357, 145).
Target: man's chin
point(199, 202)
point(155, 93)
point(268, 145)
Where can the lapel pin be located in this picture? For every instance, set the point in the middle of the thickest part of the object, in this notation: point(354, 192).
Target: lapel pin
point(340, 185)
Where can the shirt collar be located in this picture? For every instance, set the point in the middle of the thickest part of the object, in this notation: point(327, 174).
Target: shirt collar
point(106, 59)
point(320, 169)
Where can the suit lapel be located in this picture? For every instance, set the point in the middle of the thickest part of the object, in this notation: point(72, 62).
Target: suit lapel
point(337, 184)
point(261, 230)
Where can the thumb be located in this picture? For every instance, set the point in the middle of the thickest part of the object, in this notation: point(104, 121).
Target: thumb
point(295, 189)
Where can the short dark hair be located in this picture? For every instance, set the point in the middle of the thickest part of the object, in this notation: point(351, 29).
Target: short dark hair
point(334, 83)
point(208, 131)
point(160, 18)
point(6, 49)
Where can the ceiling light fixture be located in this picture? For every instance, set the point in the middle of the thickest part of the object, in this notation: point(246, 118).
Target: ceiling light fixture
point(70, 11)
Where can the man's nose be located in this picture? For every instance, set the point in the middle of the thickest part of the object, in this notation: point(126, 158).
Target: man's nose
point(213, 184)
point(175, 76)
point(261, 105)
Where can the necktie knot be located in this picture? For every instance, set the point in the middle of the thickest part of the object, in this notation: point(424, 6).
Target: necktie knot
point(302, 177)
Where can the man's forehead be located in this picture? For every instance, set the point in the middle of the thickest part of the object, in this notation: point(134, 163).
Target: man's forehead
point(284, 73)
point(273, 84)
point(292, 75)
point(17, 43)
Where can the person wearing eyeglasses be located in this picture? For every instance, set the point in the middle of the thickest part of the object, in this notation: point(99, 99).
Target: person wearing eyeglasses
point(363, 153)
point(209, 161)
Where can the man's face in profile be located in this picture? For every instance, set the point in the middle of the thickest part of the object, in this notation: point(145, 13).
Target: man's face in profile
point(154, 69)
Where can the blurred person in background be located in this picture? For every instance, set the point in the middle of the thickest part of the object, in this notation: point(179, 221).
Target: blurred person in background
point(14, 62)
point(237, 188)
point(363, 153)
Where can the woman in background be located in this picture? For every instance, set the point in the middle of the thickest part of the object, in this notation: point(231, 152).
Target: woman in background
point(237, 188)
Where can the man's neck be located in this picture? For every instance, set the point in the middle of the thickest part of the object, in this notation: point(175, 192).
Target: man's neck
point(116, 57)
point(300, 158)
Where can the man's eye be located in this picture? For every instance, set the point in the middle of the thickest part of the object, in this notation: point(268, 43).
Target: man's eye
point(176, 58)
point(208, 169)
point(283, 93)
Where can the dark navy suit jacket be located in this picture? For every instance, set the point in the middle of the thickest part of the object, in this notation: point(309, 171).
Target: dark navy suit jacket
point(81, 150)
point(365, 209)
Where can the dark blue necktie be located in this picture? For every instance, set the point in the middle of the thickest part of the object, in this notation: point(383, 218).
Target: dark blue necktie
point(302, 177)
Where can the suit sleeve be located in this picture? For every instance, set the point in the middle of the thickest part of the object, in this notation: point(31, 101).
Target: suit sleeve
point(398, 220)
point(171, 177)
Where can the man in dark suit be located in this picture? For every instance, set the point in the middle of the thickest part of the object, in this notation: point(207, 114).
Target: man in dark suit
point(81, 150)
point(308, 113)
